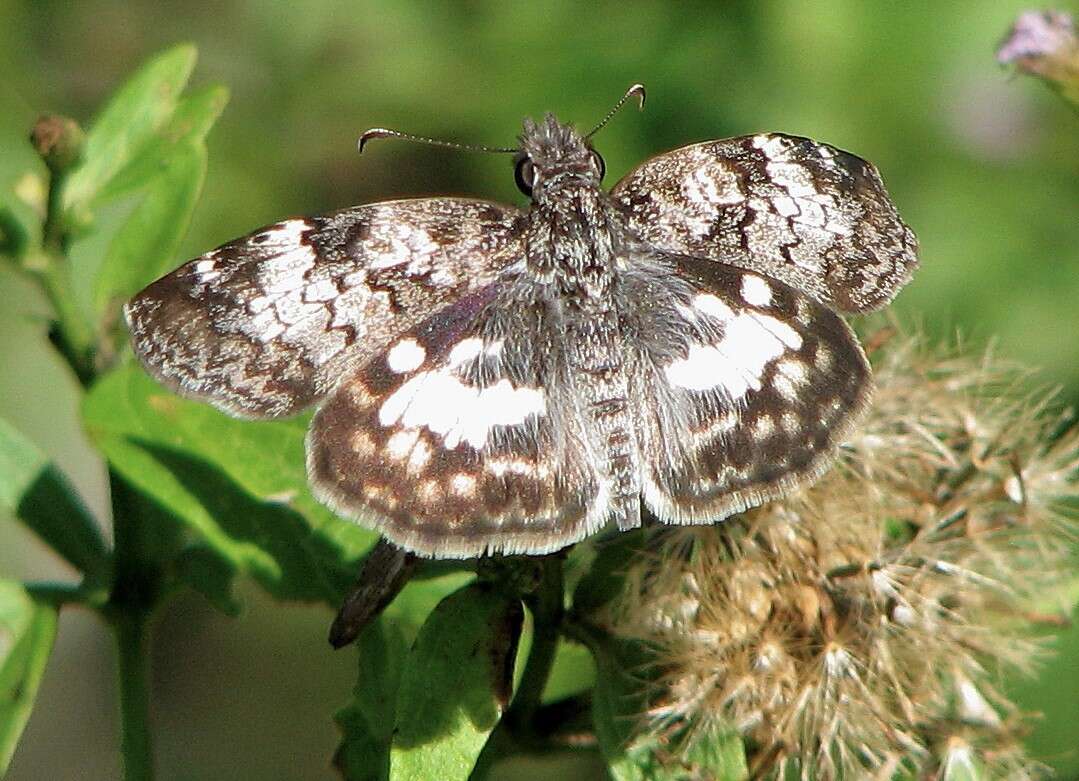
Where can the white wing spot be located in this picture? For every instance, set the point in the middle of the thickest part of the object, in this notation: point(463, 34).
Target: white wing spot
point(712, 306)
point(503, 466)
point(458, 412)
point(463, 484)
point(405, 356)
point(823, 358)
point(756, 291)
point(465, 350)
point(418, 458)
point(361, 443)
point(780, 331)
point(265, 326)
point(794, 369)
point(764, 427)
point(786, 206)
point(430, 491)
point(323, 290)
point(736, 363)
point(287, 233)
point(784, 387)
point(259, 304)
point(393, 244)
point(399, 446)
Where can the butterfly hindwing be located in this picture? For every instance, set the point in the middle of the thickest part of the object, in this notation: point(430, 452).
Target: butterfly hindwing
point(266, 325)
point(457, 440)
point(746, 387)
point(803, 212)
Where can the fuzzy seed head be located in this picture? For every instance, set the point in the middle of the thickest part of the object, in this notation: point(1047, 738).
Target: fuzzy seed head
point(854, 628)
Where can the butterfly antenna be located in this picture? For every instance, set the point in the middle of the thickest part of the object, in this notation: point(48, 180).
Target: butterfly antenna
point(637, 91)
point(381, 132)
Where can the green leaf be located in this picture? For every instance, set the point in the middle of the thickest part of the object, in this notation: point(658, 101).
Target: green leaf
point(572, 672)
point(636, 753)
point(35, 491)
point(718, 755)
point(604, 578)
point(195, 114)
point(451, 687)
point(240, 486)
point(134, 114)
point(27, 632)
point(209, 574)
point(366, 723)
point(145, 245)
point(618, 701)
point(15, 229)
point(268, 541)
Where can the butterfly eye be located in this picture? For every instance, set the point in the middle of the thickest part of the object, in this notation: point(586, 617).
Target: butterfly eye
point(597, 161)
point(525, 174)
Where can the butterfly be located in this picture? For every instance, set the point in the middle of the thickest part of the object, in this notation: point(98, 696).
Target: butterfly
point(494, 379)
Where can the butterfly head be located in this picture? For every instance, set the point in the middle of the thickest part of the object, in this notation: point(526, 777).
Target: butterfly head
point(552, 155)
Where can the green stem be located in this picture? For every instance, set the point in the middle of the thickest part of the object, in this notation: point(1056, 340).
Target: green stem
point(134, 674)
point(136, 589)
point(72, 335)
point(61, 594)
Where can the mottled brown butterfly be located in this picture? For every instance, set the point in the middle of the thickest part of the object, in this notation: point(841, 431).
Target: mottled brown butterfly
point(495, 379)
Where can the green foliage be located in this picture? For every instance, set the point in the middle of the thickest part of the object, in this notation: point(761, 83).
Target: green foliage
point(35, 491)
point(367, 722)
point(27, 631)
point(130, 126)
point(454, 685)
point(239, 487)
point(635, 753)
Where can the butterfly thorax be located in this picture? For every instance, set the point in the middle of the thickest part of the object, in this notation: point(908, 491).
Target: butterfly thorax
point(569, 241)
point(570, 246)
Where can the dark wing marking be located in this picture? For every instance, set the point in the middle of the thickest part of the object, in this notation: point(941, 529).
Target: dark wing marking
point(807, 214)
point(458, 440)
point(746, 387)
point(267, 324)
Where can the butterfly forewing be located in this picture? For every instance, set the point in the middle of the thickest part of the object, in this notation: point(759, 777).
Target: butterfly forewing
point(806, 213)
point(266, 325)
point(746, 388)
point(457, 440)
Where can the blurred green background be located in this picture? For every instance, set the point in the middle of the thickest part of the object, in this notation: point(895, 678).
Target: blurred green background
point(985, 167)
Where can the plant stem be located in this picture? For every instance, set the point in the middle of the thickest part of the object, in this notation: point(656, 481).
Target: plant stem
point(133, 667)
point(72, 334)
point(136, 584)
point(62, 594)
point(136, 590)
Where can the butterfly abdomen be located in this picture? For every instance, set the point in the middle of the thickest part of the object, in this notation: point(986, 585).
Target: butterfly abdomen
point(599, 374)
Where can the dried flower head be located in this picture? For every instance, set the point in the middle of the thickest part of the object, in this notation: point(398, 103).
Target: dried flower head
point(855, 627)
